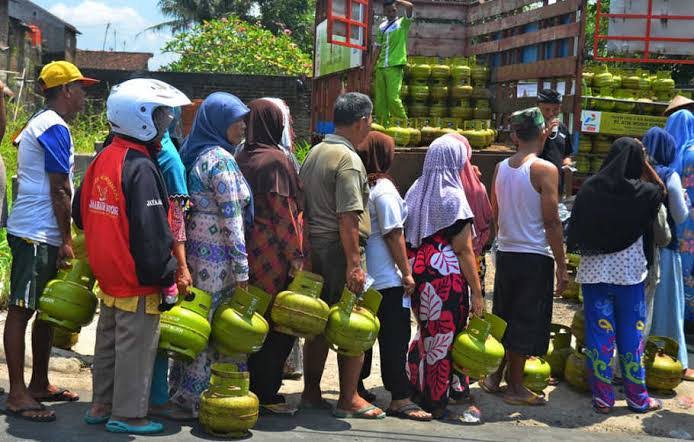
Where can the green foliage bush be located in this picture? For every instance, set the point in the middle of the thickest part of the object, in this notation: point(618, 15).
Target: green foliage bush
point(231, 45)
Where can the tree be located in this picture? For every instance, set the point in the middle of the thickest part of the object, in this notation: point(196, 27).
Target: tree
point(292, 17)
point(186, 13)
point(231, 45)
point(295, 16)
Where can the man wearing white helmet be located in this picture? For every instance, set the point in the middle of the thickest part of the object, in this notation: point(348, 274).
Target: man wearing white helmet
point(122, 206)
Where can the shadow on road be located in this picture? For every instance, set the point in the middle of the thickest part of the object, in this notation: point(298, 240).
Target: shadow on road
point(652, 423)
point(69, 425)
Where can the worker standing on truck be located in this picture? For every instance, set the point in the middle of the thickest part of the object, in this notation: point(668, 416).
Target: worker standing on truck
point(391, 58)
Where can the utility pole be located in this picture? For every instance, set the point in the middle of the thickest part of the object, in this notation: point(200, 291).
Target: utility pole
point(103, 47)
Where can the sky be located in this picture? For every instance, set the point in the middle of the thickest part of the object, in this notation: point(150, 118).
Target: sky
point(127, 19)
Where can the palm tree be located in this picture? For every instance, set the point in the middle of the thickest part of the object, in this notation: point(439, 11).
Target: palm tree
point(186, 13)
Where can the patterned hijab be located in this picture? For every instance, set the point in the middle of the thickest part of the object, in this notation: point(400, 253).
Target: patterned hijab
point(477, 196)
point(215, 115)
point(437, 199)
point(681, 126)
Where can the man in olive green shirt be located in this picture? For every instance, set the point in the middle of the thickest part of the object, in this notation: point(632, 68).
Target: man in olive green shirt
point(337, 193)
point(391, 58)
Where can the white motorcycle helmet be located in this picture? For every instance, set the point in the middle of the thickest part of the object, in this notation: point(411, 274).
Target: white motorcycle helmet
point(130, 107)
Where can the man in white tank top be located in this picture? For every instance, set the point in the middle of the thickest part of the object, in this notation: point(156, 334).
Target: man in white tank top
point(525, 204)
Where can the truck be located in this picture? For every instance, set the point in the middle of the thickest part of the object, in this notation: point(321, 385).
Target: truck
point(525, 45)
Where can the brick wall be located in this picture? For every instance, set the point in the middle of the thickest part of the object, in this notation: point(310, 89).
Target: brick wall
point(294, 91)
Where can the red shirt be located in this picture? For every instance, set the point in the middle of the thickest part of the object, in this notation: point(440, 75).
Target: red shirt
point(122, 206)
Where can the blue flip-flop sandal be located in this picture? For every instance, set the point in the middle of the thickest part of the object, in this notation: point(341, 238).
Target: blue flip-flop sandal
point(121, 427)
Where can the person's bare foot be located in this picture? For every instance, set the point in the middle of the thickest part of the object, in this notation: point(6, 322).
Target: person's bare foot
point(407, 409)
point(312, 397)
point(32, 408)
point(520, 395)
point(491, 383)
point(357, 403)
point(51, 393)
point(170, 410)
point(134, 422)
point(100, 410)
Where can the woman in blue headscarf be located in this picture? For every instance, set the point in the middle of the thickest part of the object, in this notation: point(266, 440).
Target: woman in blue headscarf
point(216, 246)
point(681, 126)
point(668, 302)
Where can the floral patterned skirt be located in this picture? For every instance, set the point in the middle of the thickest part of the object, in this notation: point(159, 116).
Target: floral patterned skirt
point(441, 306)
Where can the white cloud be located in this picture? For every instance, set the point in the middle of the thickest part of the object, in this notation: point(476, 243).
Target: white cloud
point(95, 13)
point(157, 37)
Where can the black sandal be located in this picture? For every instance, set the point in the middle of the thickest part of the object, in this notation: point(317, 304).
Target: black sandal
point(61, 395)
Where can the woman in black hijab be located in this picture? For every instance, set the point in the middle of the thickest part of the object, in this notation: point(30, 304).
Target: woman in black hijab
point(610, 223)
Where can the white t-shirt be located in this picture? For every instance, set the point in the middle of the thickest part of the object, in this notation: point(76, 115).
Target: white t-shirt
point(388, 212)
point(45, 146)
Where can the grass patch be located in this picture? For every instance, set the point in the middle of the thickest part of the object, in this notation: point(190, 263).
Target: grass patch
point(5, 266)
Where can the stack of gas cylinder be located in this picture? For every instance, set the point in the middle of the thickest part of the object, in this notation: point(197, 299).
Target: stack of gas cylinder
point(443, 95)
point(628, 91)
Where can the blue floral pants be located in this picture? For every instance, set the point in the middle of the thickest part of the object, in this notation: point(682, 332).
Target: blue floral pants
point(615, 314)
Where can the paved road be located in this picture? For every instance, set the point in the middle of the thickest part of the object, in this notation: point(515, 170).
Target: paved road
point(309, 426)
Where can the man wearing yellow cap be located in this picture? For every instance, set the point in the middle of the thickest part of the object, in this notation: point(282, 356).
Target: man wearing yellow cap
point(38, 232)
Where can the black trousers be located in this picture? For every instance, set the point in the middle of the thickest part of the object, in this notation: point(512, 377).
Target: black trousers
point(266, 367)
point(393, 340)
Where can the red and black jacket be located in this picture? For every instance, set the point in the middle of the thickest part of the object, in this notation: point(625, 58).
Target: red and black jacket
point(122, 205)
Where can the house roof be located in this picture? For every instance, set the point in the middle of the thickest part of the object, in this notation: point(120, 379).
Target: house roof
point(18, 9)
point(114, 60)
